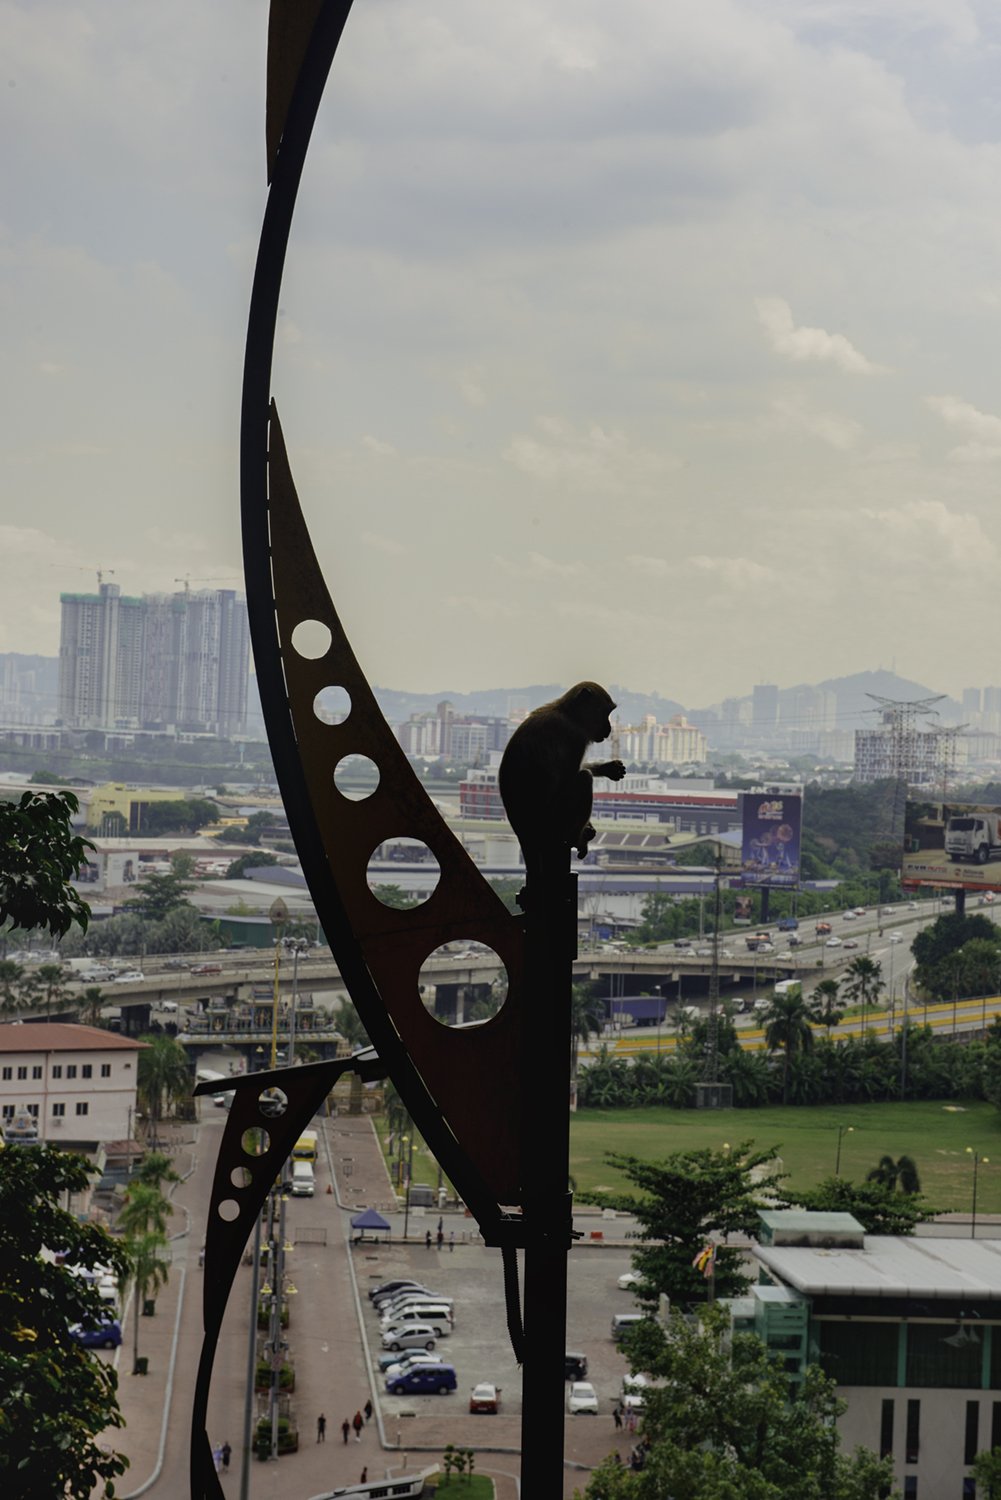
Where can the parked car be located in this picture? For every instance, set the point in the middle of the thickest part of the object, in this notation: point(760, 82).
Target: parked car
point(381, 1296)
point(485, 1397)
point(437, 1318)
point(399, 1364)
point(574, 1365)
point(582, 1399)
point(415, 1336)
point(209, 968)
point(423, 1380)
point(629, 1279)
point(106, 1335)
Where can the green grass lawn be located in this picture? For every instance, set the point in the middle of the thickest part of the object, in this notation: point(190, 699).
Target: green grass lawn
point(479, 1487)
point(935, 1134)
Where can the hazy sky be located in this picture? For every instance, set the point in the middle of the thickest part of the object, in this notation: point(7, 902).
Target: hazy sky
point(649, 341)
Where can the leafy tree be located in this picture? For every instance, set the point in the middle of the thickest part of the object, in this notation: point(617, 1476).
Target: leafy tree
point(878, 1209)
point(183, 864)
point(245, 862)
point(39, 856)
point(957, 954)
point(688, 1199)
point(787, 1026)
point(45, 778)
point(395, 896)
point(57, 1396)
point(157, 895)
point(186, 815)
point(987, 1473)
point(721, 1424)
point(164, 1076)
point(902, 1174)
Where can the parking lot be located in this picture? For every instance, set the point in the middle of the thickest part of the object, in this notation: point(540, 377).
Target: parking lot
point(479, 1346)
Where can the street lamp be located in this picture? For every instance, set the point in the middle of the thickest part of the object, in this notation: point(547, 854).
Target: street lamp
point(977, 1159)
point(409, 1143)
point(656, 990)
point(842, 1131)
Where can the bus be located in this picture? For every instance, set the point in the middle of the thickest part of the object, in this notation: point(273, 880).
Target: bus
point(305, 1147)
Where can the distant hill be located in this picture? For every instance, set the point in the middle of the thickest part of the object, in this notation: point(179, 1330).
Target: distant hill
point(501, 702)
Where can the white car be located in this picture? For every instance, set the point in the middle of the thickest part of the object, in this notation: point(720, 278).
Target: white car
point(414, 1336)
point(786, 958)
point(896, 937)
point(629, 1279)
point(703, 953)
point(833, 942)
point(582, 1398)
point(849, 916)
point(129, 976)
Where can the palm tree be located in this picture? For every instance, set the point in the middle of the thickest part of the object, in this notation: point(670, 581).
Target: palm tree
point(826, 1004)
point(148, 1271)
point(863, 983)
point(348, 1022)
point(164, 1075)
point(11, 975)
point(902, 1173)
point(587, 1016)
point(90, 1005)
point(144, 1211)
point(787, 1026)
point(154, 1169)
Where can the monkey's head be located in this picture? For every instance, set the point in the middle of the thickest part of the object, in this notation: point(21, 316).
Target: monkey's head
point(589, 706)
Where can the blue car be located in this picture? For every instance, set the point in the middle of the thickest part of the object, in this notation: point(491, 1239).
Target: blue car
point(105, 1336)
point(423, 1380)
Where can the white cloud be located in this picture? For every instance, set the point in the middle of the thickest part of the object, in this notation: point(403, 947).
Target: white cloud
point(943, 535)
point(982, 429)
point(597, 458)
point(378, 447)
point(791, 414)
point(803, 345)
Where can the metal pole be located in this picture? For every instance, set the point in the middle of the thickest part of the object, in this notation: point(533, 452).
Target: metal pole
point(550, 946)
point(248, 1406)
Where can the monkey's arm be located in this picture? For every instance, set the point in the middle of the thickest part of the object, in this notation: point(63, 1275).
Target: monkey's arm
point(613, 769)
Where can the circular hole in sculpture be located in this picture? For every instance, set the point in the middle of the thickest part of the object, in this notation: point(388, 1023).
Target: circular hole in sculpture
point(311, 639)
point(356, 777)
point(241, 1177)
point(463, 983)
point(332, 705)
point(403, 873)
point(273, 1103)
point(255, 1141)
point(229, 1210)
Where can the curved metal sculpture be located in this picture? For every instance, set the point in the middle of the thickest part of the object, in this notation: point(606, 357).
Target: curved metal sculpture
point(457, 1083)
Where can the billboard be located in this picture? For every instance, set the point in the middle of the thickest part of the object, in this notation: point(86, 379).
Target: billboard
point(770, 838)
point(743, 911)
point(953, 844)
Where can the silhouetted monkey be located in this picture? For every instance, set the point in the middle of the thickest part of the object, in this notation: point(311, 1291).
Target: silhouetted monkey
point(545, 788)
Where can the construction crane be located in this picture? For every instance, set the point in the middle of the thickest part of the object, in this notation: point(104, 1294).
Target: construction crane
point(79, 568)
point(187, 580)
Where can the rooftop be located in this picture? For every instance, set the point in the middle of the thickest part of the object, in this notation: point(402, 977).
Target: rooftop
point(61, 1036)
point(892, 1266)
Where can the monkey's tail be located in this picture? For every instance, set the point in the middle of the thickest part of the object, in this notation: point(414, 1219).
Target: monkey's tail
point(512, 1302)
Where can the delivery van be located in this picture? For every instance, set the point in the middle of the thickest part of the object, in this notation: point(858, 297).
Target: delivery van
point(303, 1181)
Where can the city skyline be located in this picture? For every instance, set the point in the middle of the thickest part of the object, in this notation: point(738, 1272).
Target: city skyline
point(654, 346)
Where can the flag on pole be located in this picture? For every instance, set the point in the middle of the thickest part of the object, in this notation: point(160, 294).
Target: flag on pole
point(705, 1261)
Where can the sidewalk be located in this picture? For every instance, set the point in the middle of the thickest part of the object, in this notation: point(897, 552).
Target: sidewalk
point(332, 1376)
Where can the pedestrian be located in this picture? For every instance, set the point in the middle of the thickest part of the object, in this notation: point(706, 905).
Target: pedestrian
point(451, 1239)
point(227, 1454)
point(427, 1238)
point(440, 1239)
point(321, 1428)
point(368, 1410)
point(441, 1225)
point(217, 1457)
point(364, 1475)
point(345, 1428)
point(617, 1415)
point(631, 1420)
point(357, 1422)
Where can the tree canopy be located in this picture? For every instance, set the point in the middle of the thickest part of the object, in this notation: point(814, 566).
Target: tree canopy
point(720, 1423)
point(878, 1207)
point(39, 856)
point(57, 1396)
point(158, 895)
point(685, 1201)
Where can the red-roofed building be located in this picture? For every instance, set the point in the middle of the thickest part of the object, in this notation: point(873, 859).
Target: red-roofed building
point(78, 1082)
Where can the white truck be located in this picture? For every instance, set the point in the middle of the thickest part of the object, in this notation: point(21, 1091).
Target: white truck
point(975, 835)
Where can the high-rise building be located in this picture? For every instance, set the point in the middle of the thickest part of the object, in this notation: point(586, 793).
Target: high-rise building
point(971, 701)
point(163, 660)
point(764, 706)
